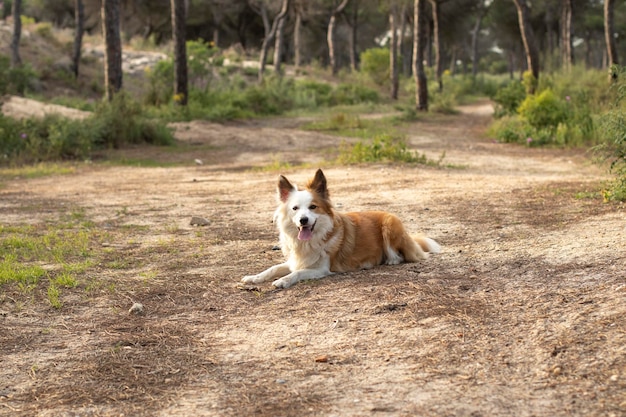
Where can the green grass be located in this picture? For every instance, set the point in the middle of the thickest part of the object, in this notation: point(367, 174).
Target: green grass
point(39, 170)
point(52, 255)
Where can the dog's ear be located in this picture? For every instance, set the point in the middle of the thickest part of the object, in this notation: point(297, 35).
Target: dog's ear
point(318, 184)
point(284, 188)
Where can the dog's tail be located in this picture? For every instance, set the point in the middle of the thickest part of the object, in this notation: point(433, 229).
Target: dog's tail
point(427, 244)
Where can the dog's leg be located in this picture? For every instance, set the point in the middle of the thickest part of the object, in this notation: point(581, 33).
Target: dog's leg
point(270, 273)
point(297, 276)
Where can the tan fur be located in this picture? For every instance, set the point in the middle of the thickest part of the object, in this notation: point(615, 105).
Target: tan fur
point(339, 242)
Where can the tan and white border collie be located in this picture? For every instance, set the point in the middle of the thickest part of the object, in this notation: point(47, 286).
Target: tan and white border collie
point(319, 241)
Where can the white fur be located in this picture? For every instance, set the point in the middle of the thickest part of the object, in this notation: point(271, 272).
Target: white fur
point(350, 241)
point(310, 261)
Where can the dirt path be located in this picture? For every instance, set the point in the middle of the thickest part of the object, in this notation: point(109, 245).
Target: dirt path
point(522, 314)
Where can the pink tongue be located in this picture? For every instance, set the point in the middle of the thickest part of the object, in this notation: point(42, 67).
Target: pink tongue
point(305, 233)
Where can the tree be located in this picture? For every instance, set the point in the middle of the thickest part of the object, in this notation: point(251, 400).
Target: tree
point(112, 47)
point(393, 49)
point(480, 15)
point(269, 37)
point(434, 4)
point(528, 38)
point(609, 31)
point(567, 55)
point(353, 24)
point(79, 17)
point(297, 34)
point(179, 28)
point(419, 47)
point(16, 11)
point(278, 45)
point(330, 36)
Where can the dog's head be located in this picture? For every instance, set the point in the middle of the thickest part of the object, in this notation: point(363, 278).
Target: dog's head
point(309, 210)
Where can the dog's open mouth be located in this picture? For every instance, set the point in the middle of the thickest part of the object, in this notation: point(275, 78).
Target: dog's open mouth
point(306, 232)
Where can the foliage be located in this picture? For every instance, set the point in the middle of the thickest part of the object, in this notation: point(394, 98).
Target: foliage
point(123, 121)
point(113, 124)
point(508, 99)
point(15, 80)
point(375, 63)
point(612, 128)
point(543, 111)
point(382, 148)
point(560, 113)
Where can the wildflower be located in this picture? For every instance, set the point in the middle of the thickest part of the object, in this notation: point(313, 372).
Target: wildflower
point(23, 135)
point(567, 98)
point(529, 140)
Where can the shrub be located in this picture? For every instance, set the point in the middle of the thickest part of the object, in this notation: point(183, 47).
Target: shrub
point(375, 63)
point(382, 148)
point(15, 80)
point(353, 94)
point(508, 99)
point(543, 111)
point(123, 121)
point(613, 132)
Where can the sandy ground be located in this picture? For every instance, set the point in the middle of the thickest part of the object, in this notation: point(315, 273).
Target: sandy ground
point(522, 314)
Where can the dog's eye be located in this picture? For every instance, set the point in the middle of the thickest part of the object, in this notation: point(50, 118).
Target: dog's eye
point(312, 207)
point(294, 208)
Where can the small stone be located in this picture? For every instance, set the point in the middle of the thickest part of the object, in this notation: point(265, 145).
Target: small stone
point(321, 359)
point(281, 381)
point(199, 221)
point(136, 309)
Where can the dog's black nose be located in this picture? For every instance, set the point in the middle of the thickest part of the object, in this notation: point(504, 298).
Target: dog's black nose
point(304, 220)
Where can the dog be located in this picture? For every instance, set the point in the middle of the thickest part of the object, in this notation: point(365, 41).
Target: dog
point(319, 241)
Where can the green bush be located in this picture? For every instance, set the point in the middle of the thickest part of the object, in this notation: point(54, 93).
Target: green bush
point(353, 94)
point(113, 124)
point(543, 111)
point(375, 64)
point(123, 121)
point(15, 80)
point(382, 148)
point(613, 132)
point(508, 99)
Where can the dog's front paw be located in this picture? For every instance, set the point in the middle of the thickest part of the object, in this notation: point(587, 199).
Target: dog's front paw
point(251, 279)
point(282, 283)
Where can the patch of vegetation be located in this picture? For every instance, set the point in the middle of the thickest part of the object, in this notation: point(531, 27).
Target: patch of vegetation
point(382, 148)
point(114, 124)
point(25, 249)
point(15, 80)
point(613, 148)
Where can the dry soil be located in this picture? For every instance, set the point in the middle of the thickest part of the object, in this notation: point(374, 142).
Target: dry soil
point(522, 314)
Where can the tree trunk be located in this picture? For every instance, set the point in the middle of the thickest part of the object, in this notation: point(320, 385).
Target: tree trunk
point(567, 56)
point(179, 29)
point(278, 45)
point(528, 37)
point(330, 36)
point(354, 26)
point(404, 51)
point(437, 43)
point(297, 37)
point(475, 32)
point(79, 16)
point(393, 50)
point(419, 40)
point(270, 37)
point(113, 47)
point(16, 11)
point(609, 31)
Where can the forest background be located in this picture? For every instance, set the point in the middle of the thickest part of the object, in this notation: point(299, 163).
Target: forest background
point(551, 68)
